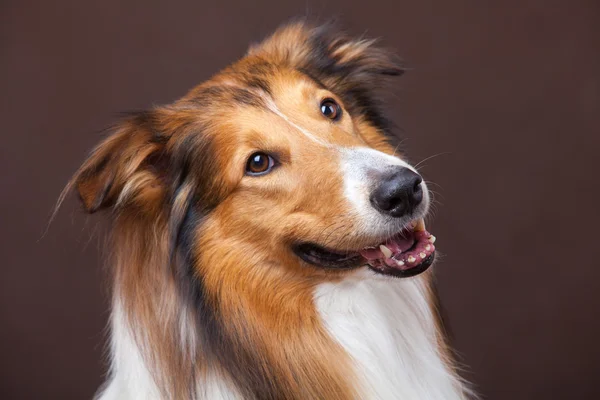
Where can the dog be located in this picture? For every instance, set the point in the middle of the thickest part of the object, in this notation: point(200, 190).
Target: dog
point(267, 242)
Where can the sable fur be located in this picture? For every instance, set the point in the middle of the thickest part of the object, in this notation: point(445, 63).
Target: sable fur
point(199, 260)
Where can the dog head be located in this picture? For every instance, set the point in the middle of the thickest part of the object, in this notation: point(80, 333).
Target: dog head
point(236, 201)
point(280, 161)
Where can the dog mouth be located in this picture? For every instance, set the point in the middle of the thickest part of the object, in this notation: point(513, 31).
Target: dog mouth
point(406, 253)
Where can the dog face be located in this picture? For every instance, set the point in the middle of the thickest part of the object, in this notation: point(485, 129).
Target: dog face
point(232, 205)
point(281, 161)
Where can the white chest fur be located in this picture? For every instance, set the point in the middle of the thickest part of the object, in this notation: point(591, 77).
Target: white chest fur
point(386, 326)
point(131, 380)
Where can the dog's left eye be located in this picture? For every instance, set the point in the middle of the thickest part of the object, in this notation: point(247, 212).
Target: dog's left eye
point(331, 109)
point(259, 164)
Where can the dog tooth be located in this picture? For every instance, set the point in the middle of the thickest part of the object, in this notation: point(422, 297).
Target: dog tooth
point(399, 263)
point(420, 225)
point(411, 259)
point(428, 247)
point(423, 255)
point(386, 252)
point(432, 239)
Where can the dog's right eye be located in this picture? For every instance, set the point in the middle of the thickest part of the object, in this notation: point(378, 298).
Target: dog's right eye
point(259, 164)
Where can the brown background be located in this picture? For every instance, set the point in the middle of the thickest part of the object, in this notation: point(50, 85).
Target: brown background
point(507, 91)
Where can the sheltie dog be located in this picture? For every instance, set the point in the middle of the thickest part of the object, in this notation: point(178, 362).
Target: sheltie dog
point(267, 241)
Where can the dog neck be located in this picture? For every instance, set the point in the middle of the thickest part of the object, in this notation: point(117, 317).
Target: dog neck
point(385, 327)
point(390, 329)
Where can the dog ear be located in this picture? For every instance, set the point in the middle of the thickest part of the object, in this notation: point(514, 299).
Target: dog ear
point(127, 165)
point(343, 57)
point(328, 52)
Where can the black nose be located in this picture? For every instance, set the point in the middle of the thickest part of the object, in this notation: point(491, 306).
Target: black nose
point(398, 193)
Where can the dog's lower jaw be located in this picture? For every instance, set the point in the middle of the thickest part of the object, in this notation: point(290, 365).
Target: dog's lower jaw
point(386, 326)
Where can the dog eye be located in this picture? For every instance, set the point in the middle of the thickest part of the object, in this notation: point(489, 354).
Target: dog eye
point(259, 164)
point(331, 109)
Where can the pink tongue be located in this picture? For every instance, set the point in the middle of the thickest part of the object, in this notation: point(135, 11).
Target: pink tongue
point(420, 245)
point(401, 243)
point(398, 244)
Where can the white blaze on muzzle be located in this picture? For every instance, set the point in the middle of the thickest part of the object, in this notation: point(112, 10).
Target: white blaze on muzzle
point(362, 169)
